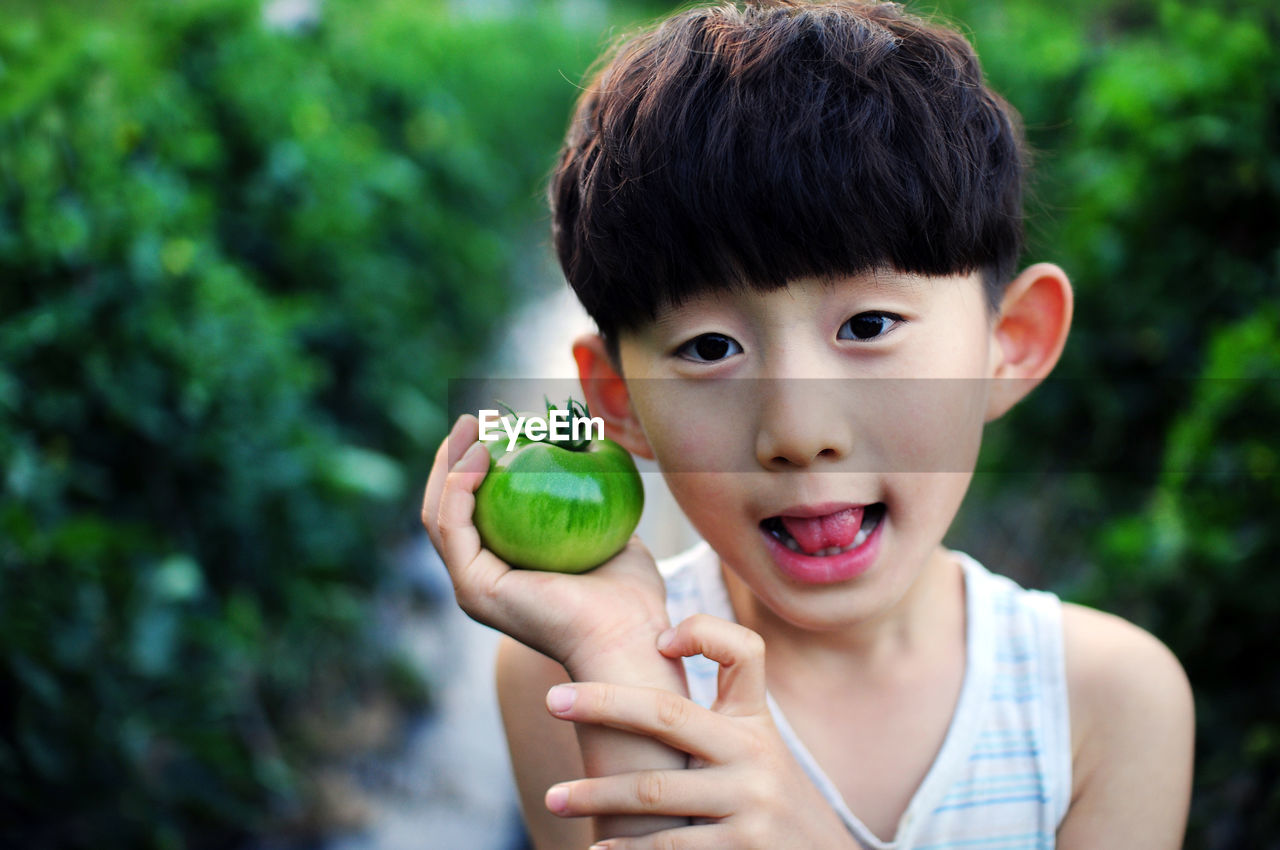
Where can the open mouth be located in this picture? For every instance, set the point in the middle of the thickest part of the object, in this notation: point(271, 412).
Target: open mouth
point(833, 534)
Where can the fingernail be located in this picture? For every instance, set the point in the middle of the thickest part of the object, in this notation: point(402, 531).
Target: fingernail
point(560, 698)
point(666, 638)
point(557, 798)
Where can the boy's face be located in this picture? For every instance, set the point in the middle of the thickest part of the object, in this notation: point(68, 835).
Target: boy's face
point(819, 437)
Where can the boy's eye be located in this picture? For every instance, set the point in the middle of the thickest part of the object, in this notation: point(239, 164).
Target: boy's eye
point(868, 325)
point(708, 348)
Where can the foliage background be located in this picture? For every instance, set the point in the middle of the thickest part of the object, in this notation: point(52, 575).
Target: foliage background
point(239, 263)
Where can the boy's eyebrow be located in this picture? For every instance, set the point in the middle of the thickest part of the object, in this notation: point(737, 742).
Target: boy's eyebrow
point(668, 316)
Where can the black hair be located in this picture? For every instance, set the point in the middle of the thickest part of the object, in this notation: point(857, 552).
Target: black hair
point(752, 145)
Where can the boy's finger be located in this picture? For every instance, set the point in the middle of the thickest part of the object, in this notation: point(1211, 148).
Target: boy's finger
point(652, 712)
point(460, 438)
point(739, 651)
point(678, 793)
point(460, 545)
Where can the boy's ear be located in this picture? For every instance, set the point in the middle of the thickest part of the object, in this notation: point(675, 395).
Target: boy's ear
point(607, 395)
point(1028, 335)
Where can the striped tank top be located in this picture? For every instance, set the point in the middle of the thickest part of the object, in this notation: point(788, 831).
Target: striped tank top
point(1002, 778)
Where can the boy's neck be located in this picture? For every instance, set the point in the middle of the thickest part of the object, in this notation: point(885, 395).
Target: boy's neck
point(928, 618)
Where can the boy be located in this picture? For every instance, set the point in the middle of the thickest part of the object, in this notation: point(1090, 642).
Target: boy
point(795, 225)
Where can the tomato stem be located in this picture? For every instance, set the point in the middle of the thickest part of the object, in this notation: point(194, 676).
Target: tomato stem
point(576, 410)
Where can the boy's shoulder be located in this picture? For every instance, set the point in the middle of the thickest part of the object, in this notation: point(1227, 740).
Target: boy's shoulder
point(1132, 719)
point(1115, 668)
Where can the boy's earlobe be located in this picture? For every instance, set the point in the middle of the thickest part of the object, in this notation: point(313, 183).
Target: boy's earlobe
point(607, 395)
point(1029, 334)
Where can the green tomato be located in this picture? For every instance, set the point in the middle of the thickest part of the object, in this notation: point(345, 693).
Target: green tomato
point(561, 507)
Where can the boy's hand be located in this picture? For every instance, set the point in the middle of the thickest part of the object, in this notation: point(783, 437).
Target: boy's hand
point(744, 788)
point(596, 624)
point(601, 626)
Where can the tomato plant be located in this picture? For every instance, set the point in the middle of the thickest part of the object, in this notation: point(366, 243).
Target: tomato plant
point(562, 505)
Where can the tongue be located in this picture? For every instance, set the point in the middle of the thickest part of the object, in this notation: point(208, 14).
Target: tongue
point(822, 532)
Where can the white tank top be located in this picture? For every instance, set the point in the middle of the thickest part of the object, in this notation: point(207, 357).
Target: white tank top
point(1002, 779)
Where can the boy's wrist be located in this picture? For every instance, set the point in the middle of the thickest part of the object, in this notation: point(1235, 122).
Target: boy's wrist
point(636, 662)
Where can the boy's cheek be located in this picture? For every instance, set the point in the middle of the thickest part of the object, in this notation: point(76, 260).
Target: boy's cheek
point(934, 425)
point(714, 504)
point(699, 450)
point(694, 428)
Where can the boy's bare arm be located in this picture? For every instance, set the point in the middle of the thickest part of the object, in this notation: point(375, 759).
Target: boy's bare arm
point(546, 751)
point(543, 750)
point(1132, 729)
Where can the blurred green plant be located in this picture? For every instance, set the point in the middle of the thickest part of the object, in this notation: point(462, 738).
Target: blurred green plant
point(239, 265)
point(1197, 566)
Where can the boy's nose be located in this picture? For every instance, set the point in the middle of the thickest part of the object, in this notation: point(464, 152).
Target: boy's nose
point(800, 424)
